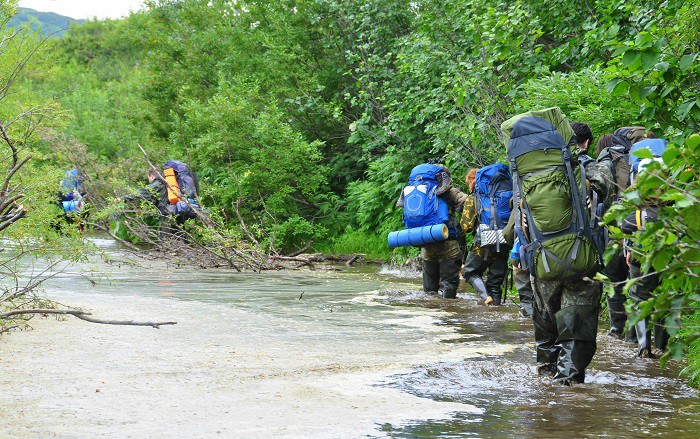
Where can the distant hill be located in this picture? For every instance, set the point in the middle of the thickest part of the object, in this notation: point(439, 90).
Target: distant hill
point(49, 22)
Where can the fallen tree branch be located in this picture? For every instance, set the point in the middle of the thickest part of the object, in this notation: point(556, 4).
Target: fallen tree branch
point(353, 259)
point(82, 315)
point(302, 250)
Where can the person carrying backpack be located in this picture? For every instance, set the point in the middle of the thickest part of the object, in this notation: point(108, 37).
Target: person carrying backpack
point(486, 215)
point(613, 152)
point(556, 216)
point(643, 288)
point(155, 192)
point(168, 194)
point(430, 185)
point(616, 269)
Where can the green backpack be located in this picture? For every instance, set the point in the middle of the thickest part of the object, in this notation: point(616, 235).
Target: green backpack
point(555, 211)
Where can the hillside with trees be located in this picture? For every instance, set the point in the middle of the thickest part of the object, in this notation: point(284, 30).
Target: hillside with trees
point(48, 23)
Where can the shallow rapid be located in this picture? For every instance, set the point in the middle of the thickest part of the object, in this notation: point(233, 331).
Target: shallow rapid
point(339, 354)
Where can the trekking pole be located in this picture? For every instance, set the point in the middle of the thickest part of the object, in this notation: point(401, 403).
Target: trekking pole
point(504, 289)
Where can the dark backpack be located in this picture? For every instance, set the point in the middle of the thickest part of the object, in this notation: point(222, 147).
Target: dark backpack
point(560, 236)
point(618, 154)
point(421, 204)
point(493, 191)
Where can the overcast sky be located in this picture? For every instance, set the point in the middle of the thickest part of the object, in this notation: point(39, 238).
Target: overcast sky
point(84, 8)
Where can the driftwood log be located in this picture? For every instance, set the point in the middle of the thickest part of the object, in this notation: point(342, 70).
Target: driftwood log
point(82, 315)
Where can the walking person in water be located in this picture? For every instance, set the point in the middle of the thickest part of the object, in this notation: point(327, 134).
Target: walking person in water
point(555, 216)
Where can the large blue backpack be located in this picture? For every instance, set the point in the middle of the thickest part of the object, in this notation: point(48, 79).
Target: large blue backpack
point(493, 190)
point(637, 164)
point(421, 204)
point(185, 179)
point(72, 181)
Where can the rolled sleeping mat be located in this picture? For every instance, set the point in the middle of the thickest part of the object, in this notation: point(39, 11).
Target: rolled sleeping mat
point(418, 236)
point(72, 206)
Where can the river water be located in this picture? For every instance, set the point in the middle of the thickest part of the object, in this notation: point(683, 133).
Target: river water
point(354, 353)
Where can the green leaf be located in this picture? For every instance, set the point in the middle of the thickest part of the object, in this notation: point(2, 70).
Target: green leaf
point(693, 141)
point(644, 40)
point(685, 108)
point(646, 91)
point(630, 58)
point(644, 153)
point(612, 31)
point(610, 85)
point(687, 61)
point(649, 59)
point(662, 258)
point(620, 88)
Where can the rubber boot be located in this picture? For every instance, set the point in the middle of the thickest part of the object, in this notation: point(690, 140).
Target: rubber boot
point(631, 335)
point(480, 287)
point(527, 297)
point(618, 316)
point(449, 277)
point(431, 276)
point(661, 337)
point(577, 326)
point(498, 269)
point(545, 342)
point(643, 339)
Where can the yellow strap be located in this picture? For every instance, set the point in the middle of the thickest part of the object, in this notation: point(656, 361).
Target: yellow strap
point(639, 219)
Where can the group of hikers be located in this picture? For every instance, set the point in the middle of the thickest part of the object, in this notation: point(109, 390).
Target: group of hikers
point(173, 193)
point(540, 214)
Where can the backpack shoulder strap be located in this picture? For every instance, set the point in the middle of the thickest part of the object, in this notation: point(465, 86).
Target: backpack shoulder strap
point(638, 218)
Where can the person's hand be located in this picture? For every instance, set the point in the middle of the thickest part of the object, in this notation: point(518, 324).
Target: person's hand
point(629, 258)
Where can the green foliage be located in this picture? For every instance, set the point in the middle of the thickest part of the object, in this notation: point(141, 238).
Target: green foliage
point(582, 97)
point(692, 370)
point(374, 245)
point(270, 171)
point(670, 246)
point(659, 71)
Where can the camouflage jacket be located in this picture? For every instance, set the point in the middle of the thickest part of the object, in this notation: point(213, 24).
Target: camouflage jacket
point(602, 182)
point(155, 192)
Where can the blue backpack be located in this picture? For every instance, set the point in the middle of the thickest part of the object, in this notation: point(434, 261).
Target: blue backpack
point(493, 190)
point(185, 179)
point(187, 182)
point(637, 164)
point(421, 204)
point(72, 181)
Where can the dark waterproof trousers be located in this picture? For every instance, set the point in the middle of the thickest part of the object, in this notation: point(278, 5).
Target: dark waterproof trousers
point(617, 271)
point(566, 325)
point(525, 293)
point(441, 262)
point(497, 266)
point(441, 276)
point(643, 290)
